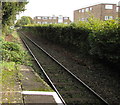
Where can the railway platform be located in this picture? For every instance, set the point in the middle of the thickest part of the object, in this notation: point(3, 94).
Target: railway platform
point(35, 90)
point(30, 90)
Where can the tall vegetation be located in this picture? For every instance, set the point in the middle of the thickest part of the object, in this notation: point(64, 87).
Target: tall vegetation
point(97, 38)
point(11, 51)
point(104, 40)
point(9, 12)
point(24, 21)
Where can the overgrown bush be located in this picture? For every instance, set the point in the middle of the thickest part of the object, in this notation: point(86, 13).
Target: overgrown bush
point(6, 30)
point(104, 41)
point(12, 52)
point(95, 37)
point(68, 35)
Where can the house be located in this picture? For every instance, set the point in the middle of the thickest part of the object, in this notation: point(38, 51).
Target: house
point(103, 11)
point(51, 20)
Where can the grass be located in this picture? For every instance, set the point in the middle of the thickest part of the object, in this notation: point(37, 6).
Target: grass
point(9, 71)
point(10, 75)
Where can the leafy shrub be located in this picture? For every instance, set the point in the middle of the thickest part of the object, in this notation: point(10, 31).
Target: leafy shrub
point(11, 46)
point(12, 52)
point(95, 37)
point(67, 35)
point(105, 41)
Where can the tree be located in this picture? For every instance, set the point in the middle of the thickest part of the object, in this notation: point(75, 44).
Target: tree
point(24, 21)
point(9, 12)
point(31, 20)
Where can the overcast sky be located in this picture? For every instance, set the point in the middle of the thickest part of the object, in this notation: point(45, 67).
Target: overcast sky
point(59, 7)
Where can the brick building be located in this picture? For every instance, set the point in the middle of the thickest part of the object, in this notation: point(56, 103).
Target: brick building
point(51, 20)
point(103, 11)
point(119, 9)
point(0, 18)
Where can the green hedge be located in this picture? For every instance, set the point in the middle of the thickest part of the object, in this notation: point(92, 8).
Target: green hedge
point(105, 41)
point(98, 38)
point(68, 35)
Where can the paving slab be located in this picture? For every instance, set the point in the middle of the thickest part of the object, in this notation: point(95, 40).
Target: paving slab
point(31, 81)
point(39, 99)
point(12, 95)
point(35, 90)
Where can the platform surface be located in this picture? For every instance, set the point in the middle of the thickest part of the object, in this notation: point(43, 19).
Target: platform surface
point(32, 89)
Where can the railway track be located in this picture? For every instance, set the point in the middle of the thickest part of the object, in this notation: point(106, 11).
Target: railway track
point(70, 89)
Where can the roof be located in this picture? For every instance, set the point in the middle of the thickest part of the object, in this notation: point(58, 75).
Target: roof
point(97, 4)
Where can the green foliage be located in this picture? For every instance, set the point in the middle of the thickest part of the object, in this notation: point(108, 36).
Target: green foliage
point(95, 37)
point(31, 20)
point(6, 30)
point(10, 46)
point(8, 72)
point(66, 35)
point(9, 11)
point(24, 21)
point(13, 52)
point(105, 41)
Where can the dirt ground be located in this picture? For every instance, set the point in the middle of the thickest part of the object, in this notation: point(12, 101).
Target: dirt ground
point(9, 38)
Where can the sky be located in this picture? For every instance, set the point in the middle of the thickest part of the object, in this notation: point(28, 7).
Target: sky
point(58, 7)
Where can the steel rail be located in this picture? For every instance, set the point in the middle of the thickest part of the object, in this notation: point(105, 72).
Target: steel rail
point(44, 72)
point(89, 88)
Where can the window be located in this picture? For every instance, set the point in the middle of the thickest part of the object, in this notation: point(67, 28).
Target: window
point(50, 18)
point(38, 17)
point(87, 9)
point(117, 9)
point(44, 18)
point(108, 17)
point(82, 19)
point(79, 10)
point(45, 22)
point(65, 23)
point(65, 18)
point(54, 22)
point(91, 8)
point(39, 22)
point(60, 20)
point(60, 17)
point(54, 17)
point(108, 6)
point(83, 10)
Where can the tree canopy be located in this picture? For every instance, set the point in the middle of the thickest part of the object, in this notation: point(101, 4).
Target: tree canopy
point(24, 21)
point(9, 12)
